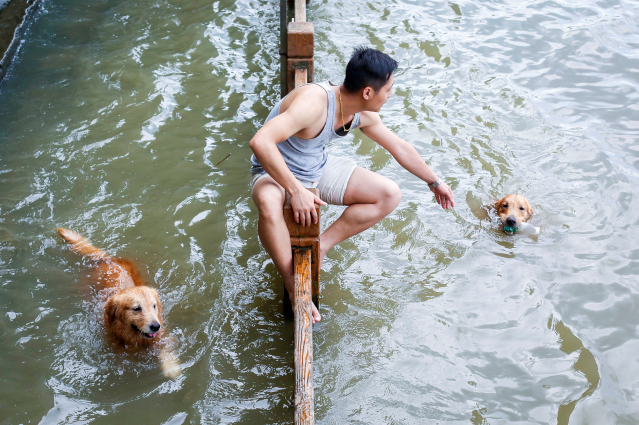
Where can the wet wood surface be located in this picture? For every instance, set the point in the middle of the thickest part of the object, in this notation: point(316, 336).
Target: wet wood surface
point(306, 237)
point(303, 338)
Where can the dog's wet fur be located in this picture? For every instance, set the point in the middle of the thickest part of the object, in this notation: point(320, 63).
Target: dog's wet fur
point(133, 311)
point(513, 210)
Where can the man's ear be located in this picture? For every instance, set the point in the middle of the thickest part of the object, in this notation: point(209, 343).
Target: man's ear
point(368, 93)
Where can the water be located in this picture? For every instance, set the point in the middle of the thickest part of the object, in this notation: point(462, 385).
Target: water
point(112, 121)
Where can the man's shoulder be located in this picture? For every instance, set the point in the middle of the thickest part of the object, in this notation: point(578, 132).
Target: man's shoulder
point(368, 118)
point(310, 92)
point(308, 98)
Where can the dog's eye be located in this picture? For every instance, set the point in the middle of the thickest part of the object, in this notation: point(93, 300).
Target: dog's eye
point(155, 306)
point(138, 308)
point(521, 208)
point(505, 205)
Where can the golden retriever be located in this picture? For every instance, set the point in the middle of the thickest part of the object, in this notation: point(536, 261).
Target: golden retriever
point(512, 211)
point(132, 312)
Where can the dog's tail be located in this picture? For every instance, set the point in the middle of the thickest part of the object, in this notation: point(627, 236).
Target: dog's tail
point(82, 245)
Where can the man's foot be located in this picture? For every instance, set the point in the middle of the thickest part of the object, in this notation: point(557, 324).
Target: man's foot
point(314, 312)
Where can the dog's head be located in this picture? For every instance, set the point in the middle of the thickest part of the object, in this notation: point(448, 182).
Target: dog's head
point(513, 210)
point(134, 316)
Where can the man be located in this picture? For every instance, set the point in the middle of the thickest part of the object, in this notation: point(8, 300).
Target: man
point(290, 155)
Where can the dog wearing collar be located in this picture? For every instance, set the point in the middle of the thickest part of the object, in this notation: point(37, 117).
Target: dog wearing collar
point(513, 210)
point(133, 311)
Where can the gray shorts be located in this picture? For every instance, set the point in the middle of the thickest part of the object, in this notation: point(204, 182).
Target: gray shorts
point(332, 185)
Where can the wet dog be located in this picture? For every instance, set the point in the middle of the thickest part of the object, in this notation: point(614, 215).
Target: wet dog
point(513, 210)
point(132, 312)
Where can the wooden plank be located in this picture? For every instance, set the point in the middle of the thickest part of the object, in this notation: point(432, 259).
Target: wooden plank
point(301, 40)
point(297, 63)
point(303, 339)
point(305, 237)
point(300, 10)
point(312, 243)
point(300, 77)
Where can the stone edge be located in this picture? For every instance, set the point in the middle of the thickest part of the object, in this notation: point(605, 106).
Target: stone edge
point(18, 34)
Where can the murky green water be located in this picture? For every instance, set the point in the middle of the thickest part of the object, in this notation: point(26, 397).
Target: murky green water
point(116, 113)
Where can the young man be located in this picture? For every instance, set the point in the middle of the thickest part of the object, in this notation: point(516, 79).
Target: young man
point(290, 155)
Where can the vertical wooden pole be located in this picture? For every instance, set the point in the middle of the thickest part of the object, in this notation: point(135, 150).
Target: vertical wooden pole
point(300, 10)
point(303, 339)
point(300, 50)
point(283, 48)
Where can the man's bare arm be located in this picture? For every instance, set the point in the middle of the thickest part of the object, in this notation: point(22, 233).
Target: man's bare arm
point(301, 113)
point(406, 155)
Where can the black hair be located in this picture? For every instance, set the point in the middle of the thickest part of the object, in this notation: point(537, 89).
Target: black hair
point(368, 68)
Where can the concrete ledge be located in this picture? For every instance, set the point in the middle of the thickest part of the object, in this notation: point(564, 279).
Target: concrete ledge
point(13, 19)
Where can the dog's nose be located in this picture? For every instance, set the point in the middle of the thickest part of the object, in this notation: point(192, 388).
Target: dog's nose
point(511, 222)
point(154, 327)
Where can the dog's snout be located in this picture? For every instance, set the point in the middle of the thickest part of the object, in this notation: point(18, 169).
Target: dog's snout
point(155, 326)
point(511, 221)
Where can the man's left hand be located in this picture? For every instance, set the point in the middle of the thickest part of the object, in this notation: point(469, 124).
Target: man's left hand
point(444, 196)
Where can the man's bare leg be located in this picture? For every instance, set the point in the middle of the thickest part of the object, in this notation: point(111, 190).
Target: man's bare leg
point(269, 197)
point(370, 197)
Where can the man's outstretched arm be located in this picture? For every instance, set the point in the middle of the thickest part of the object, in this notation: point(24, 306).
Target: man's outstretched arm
point(406, 155)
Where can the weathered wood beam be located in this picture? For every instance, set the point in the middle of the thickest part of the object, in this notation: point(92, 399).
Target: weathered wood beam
point(300, 10)
point(303, 339)
point(300, 77)
point(301, 36)
point(305, 237)
point(300, 51)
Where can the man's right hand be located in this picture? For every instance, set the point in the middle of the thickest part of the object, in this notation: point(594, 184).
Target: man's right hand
point(303, 204)
point(444, 195)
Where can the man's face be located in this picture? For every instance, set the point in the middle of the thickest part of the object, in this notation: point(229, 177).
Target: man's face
point(381, 96)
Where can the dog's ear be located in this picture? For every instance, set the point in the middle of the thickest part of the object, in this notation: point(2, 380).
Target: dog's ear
point(158, 303)
point(111, 309)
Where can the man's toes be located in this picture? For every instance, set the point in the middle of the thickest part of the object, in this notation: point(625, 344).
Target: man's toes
point(316, 315)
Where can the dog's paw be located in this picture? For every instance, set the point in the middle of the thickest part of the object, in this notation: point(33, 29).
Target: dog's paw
point(171, 368)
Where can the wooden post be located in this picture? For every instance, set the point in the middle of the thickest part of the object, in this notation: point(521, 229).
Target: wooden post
point(305, 237)
point(303, 339)
point(297, 48)
point(300, 50)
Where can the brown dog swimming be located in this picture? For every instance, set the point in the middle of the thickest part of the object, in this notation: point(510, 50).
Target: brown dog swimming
point(132, 312)
point(513, 210)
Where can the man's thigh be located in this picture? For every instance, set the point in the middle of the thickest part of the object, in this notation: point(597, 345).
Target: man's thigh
point(367, 187)
point(267, 193)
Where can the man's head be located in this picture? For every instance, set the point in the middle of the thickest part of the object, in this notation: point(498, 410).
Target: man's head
point(370, 69)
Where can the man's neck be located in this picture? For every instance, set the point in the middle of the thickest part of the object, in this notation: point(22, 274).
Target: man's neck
point(350, 104)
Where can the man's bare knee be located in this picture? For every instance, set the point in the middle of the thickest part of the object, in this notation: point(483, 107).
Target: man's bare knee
point(390, 196)
point(269, 198)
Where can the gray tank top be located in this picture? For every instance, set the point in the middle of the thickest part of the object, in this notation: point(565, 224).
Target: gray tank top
point(306, 158)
